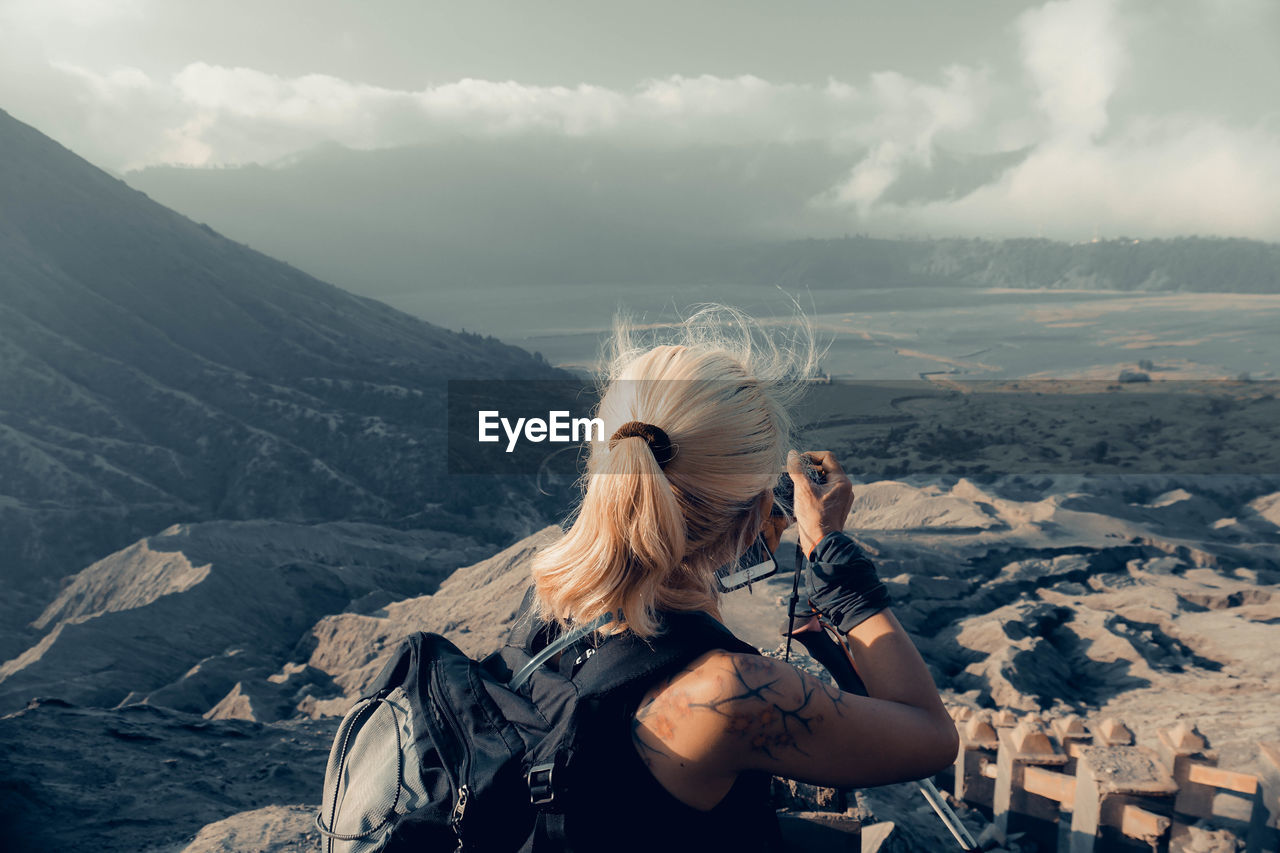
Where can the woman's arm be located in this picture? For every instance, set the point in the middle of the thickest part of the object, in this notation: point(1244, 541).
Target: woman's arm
point(843, 584)
point(731, 712)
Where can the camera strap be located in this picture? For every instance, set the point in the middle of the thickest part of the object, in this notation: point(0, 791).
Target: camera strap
point(795, 599)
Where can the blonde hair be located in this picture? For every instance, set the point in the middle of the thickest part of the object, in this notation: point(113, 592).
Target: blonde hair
point(645, 537)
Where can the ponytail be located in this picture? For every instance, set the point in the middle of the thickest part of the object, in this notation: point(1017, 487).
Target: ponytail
point(651, 530)
point(627, 539)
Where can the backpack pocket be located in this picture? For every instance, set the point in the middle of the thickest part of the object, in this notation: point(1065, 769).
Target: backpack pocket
point(374, 774)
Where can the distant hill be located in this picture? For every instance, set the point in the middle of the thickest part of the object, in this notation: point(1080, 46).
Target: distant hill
point(154, 371)
point(528, 211)
point(1184, 264)
point(540, 212)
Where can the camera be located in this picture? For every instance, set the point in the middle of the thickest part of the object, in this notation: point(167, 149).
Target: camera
point(784, 493)
point(759, 562)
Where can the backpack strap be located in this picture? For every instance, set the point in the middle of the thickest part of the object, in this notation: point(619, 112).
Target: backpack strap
point(623, 659)
point(532, 635)
point(558, 645)
point(627, 660)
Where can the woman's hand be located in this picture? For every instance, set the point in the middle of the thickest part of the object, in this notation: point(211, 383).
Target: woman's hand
point(820, 507)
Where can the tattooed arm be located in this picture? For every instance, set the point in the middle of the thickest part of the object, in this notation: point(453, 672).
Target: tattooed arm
point(732, 712)
point(728, 713)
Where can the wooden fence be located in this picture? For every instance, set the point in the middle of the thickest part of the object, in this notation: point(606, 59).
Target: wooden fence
point(1082, 787)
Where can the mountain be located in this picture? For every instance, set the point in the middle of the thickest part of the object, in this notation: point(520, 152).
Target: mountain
point(1184, 264)
point(157, 372)
point(550, 213)
point(528, 211)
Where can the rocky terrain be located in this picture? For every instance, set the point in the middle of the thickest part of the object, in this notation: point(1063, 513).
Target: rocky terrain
point(148, 778)
point(180, 618)
point(1095, 595)
point(154, 372)
point(1092, 594)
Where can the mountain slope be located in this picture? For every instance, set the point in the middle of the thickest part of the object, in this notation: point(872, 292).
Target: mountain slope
point(197, 607)
point(154, 371)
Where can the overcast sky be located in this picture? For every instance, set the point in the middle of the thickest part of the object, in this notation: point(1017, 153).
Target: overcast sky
point(1151, 118)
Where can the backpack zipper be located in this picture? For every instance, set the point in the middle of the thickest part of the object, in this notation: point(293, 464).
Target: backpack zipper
point(460, 784)
point(459, 812)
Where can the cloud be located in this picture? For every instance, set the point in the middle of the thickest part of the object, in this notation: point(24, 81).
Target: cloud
point(1147, 175)
point(1080, 167)
point(218, 115)
point(1156, 178)
point(1073, 53)
point(905, 125)
point(366, 115)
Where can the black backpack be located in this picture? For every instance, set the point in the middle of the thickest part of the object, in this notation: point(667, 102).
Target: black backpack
point(448, 753)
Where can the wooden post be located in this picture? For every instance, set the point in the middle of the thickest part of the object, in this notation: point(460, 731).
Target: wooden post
point(1004, 719)
point(978, 744)
point(1112, 732)
point(1180, 747)
point(1016, 808)
point(1072, 737)
point(1235, 800)
point(1269, 796)
point(1122, 792)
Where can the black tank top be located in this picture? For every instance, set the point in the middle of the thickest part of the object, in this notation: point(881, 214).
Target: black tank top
point(630, 810)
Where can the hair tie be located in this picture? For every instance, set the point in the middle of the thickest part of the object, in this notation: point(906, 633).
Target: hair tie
point(657, 440)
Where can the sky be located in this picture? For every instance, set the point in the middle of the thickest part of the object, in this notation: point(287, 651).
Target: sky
point(1149, 118)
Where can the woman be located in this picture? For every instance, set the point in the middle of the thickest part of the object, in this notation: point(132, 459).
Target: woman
point(699, 431)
